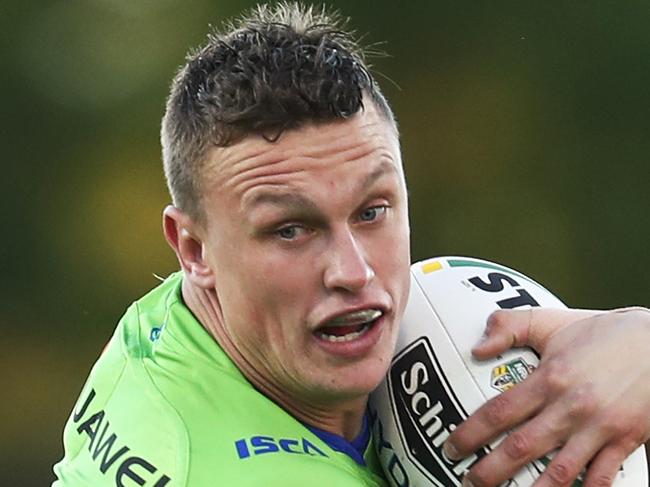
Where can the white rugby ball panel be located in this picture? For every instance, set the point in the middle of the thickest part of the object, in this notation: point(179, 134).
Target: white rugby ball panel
point(434, 383)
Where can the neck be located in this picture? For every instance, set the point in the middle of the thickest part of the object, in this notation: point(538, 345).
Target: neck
point(342, 415)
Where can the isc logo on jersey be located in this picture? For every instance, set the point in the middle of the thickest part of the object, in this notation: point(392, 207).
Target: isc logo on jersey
point(433, 383)
point(259, 445)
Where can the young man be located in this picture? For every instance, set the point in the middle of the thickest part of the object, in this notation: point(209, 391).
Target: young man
point(254, 363)
point(290, 224)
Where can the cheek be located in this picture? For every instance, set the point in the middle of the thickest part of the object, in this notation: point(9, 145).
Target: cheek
point(397, 262)
point(285, 279)
point(280, 294)
point(253, 313)
point(396, 247)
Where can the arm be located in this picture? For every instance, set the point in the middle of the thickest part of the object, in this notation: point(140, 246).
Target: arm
point(590, 396)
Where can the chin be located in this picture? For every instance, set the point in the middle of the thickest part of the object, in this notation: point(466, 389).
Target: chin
point(353, 375)
point(357, 380)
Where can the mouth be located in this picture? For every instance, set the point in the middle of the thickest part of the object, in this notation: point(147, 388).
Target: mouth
point(349, 326)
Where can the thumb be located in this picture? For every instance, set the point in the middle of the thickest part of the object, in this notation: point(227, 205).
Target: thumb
point(532, 327)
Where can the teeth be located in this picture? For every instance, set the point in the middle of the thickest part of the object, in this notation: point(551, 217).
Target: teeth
point(345, 338)
point(356, 318)
point(363, 317)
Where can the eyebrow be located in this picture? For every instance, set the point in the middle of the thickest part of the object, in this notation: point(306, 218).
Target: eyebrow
point(384, 167)
point(294, 200)
point(283, 199)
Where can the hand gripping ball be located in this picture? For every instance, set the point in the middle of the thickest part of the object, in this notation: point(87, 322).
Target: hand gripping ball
point(433, 382)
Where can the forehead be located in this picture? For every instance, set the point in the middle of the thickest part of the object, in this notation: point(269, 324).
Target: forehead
point(364, 145)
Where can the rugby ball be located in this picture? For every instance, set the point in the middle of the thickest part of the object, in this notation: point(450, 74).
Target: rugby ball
point(433, 382)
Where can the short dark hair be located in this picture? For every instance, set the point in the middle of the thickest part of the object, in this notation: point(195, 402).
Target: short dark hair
point(274, 69)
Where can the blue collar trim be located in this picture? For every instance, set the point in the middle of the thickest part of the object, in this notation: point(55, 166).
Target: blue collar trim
point(354, 449)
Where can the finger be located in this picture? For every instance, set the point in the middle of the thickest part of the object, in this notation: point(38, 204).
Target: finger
point(603, 469)
point(496, 416)
point(570, 461)
point(538, 436)
point(529, 442)
point(504, 329)
point(517, 328)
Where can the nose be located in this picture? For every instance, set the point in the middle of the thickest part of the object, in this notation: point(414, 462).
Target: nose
point(347, 265)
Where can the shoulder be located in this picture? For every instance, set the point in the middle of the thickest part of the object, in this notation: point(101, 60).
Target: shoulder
point(121, 430)
point(164, 406)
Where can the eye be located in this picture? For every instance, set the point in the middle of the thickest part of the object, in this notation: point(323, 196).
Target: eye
point(372, 213)
point(290, 232)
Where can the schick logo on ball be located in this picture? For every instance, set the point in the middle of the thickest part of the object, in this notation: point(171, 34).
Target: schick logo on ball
point(427, 410)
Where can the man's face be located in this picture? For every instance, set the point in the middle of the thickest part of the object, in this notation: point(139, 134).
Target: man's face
point(308, 238)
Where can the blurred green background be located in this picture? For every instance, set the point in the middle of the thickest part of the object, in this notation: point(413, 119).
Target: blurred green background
point(525, 129)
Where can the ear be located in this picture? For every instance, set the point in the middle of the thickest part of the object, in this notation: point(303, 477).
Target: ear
point(182, 235)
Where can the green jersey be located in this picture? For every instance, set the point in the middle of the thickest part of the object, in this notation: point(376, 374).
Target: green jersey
point(164, 406)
